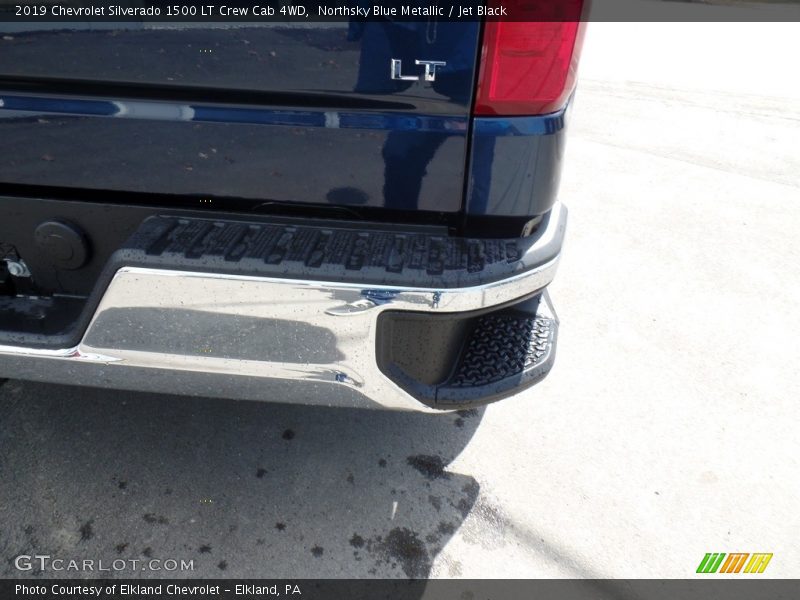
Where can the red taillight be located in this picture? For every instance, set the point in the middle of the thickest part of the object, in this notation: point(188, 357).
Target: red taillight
point(529, 67)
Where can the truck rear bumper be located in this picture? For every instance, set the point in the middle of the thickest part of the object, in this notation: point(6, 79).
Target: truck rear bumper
point(222, 332)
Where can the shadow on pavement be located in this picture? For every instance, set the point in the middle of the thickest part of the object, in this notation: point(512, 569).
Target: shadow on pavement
point(243, 489)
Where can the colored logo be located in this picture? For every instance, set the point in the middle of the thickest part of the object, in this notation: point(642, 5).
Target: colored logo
point(734, 563)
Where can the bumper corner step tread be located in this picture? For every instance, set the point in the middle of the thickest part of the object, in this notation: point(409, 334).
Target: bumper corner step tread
point(503, 346)
point(505, 353)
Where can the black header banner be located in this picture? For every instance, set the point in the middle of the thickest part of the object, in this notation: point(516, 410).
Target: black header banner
point(331, 11)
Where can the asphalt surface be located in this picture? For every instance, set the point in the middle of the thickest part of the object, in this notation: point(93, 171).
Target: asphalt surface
point(667, 429)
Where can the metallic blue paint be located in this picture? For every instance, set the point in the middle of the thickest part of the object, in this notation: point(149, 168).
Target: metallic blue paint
point(57, 105)
point(483, 126)
point(290, 141)
point(515, 164)
point(154, 110)
point(538, 125)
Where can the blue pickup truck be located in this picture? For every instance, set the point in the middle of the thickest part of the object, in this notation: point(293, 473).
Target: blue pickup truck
point(356, 212)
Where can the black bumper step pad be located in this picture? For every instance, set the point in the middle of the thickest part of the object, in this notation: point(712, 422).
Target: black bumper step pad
point(503, 346)
point(347, 254)
point(506, 352)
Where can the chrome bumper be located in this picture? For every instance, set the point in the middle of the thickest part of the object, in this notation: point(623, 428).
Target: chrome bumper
point(259, 338)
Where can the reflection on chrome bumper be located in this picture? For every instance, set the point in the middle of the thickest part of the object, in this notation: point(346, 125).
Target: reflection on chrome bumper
point(249, 337)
